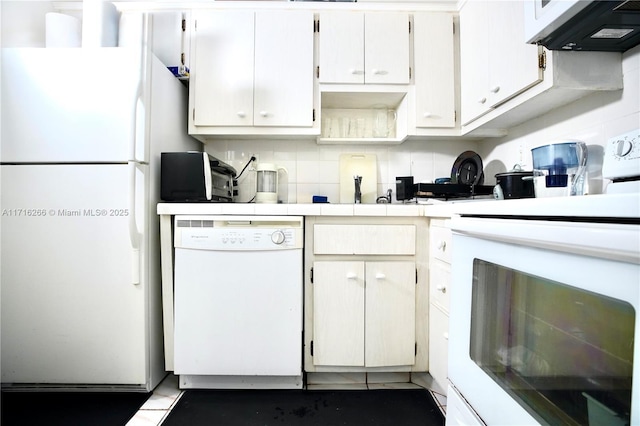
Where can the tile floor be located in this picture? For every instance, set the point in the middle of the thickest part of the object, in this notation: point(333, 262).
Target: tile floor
point(166, 395)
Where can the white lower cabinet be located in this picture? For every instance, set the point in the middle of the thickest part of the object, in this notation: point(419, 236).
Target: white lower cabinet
point(438, 345)
point(364, 313)
point(366, 295)
point(439, 289)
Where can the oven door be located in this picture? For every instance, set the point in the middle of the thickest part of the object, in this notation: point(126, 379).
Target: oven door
point(543, 320)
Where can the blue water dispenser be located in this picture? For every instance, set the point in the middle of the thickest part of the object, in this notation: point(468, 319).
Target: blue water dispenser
point(559, 169)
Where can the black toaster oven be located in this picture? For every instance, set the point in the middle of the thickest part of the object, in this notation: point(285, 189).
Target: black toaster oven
point(194, 176)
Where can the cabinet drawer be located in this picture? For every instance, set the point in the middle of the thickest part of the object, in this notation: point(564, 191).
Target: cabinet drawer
point(438, 345)
point(364, 239)
point(439, 283)
point(459, 412)
point(440, 243)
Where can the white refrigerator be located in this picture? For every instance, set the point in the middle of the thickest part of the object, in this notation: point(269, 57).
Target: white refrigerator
point(82, 132)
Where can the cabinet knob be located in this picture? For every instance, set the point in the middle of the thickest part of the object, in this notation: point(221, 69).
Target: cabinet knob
point(482, 100)
point(380, 276)
point(263, 113)
point(352, 276)
point(495, 89)
point(441, 288)
point(242, 114)
point(445, 335)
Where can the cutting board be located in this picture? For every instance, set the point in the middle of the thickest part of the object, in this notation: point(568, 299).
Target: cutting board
point(358, 165)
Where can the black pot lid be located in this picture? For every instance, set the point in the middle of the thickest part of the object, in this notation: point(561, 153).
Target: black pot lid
point(467, 169)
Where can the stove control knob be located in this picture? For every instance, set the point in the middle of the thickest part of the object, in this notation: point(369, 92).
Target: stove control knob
point(623, 148)
point(278, 237)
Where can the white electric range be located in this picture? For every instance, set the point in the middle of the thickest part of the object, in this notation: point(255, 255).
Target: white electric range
point(544, 320)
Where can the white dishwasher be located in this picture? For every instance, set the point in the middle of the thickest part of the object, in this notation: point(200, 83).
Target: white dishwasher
point(238, 301)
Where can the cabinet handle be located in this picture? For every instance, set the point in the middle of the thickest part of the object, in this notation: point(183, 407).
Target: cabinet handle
point(242, 114)
point(442, 288)
point(445, 335)
point(495, 89)
point(380, 276)
point(352, 276)
point(355, 71)
point(263, 113)
point(442, 246)
point(482, 100)
point(427, 115)
point(379, 72)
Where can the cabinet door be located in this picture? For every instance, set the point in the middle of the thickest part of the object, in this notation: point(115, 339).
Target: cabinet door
point(341, 43)
point(283, 90)
point(338, 313)
point(222, 75)
point(390, 313)
point(434, 69)
point(358, 48)
point(438, 345)
point(513, 63)
point(386, 48)
point(474, 69)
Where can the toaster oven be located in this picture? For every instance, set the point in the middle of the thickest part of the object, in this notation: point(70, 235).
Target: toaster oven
point(196, 177)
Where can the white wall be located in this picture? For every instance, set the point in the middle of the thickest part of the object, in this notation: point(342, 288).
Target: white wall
point(593, 119)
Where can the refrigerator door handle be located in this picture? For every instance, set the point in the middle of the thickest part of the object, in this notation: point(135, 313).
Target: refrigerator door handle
point(134, 234)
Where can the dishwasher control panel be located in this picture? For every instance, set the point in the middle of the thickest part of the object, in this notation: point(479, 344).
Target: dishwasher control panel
point(238, 233)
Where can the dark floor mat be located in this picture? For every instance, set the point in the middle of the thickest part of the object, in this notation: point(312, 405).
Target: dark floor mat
point(70, 408)
point(309, 408)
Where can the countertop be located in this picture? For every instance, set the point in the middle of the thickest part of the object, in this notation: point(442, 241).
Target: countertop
point(435, 209)
point(609, 205)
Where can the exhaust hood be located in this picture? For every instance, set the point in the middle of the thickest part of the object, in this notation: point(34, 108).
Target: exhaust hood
point(611, 26)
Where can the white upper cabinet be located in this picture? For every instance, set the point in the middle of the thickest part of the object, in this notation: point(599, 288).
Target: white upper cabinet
point(283, 91)
point(474, 69)
point(222, 79)
point(513, 64)
point(434, 69)
point(251, 69)
point(495, 62)
point(505, 81)
point(357, 48)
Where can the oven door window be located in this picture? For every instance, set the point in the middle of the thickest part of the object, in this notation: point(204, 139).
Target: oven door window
point(564, 354)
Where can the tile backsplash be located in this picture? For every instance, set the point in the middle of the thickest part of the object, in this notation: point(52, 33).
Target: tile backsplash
point(314, 169)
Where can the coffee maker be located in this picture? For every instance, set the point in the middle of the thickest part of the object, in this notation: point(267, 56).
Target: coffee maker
point(559, 169)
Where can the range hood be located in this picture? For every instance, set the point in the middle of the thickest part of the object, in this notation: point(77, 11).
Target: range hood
point(611, 26)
